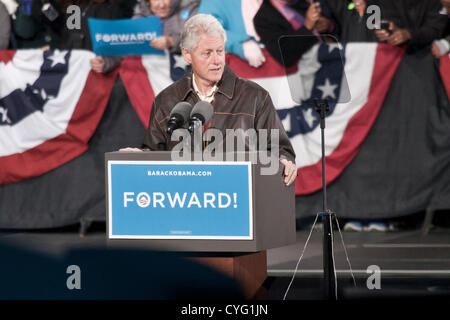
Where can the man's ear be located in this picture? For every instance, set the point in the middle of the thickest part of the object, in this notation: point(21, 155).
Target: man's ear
point(187, 55)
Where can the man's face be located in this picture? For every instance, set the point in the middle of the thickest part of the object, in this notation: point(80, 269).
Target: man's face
point(208, 58)
point(160, 8)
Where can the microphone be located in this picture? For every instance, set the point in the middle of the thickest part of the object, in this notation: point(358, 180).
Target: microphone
point(178, 116)
point(200, 114)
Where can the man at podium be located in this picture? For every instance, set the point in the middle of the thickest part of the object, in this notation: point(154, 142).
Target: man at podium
point(236, 103)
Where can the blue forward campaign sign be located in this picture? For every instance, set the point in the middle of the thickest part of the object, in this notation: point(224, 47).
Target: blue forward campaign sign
point(180, 200)
point(124, 36)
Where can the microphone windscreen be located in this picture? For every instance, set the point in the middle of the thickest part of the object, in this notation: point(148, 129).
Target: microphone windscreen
point(203, 108)
point(182, 108)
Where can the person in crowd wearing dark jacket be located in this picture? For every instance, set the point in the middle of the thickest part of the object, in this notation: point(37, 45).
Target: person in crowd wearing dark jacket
point(35, 28)
point(277, 18)
point(352, 21)
point(173, 14)
point(442, 46)
point(81, 38)
point(415, 23)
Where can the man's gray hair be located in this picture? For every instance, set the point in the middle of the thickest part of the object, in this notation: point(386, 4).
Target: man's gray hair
point(198, 25)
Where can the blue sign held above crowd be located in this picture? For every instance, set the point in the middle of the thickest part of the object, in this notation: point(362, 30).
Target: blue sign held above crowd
point(125, 37)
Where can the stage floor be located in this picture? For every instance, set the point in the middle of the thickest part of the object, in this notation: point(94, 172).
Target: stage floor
point(410, 264)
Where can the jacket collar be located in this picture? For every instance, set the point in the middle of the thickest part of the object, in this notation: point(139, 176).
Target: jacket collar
point(225, 85)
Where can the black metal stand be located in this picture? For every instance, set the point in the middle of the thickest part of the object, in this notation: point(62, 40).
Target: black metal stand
point(327, 216)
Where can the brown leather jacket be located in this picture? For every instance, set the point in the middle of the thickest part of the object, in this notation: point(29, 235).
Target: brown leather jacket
point(238, 104)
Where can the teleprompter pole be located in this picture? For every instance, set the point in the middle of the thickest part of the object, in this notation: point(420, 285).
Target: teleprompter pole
point(327, 215)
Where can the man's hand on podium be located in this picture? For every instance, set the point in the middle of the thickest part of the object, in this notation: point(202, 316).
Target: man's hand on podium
point(128, 149)
point(290, 171)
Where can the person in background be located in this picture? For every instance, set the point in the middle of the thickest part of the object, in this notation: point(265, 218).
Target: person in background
point(238, 103)
point(236, 16)
point(5, 30)
point(442, 46)
point(351, 19)
point(415, 23)
point(278, 18)
point(35, 29)
point(173, 14)
point(81, 39)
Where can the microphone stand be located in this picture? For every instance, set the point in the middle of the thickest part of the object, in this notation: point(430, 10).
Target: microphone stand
point(196, 131)
point(327, 215)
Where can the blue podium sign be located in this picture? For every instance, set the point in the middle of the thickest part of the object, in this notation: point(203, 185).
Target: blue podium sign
point(180, 200)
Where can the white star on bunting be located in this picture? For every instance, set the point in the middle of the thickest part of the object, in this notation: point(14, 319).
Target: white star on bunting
point(57, 57)
point(309, 117)
point(327, 89)
point(179, 61)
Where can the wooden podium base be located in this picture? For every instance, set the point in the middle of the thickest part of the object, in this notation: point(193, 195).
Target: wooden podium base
point(249, 270)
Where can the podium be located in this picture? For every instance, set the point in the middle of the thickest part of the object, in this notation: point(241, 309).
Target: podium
point(225, 214)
